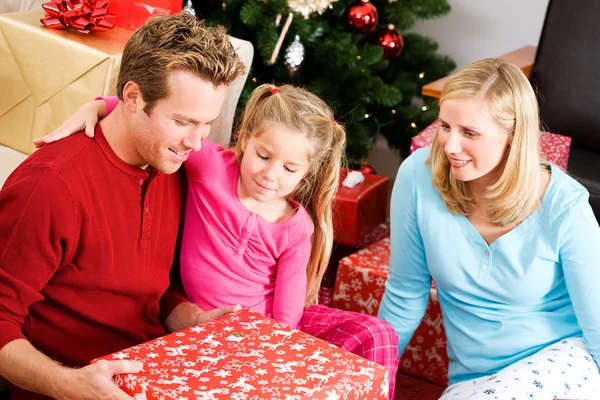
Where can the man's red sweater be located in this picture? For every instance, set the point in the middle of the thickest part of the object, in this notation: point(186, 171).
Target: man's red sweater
point(86, 245)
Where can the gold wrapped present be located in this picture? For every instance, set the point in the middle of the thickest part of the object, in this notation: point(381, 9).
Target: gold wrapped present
point(47, 74)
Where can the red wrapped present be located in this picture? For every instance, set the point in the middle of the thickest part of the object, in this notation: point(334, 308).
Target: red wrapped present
point(340, 251)
point(361, 277)
point(425, 356)
point(359, 210)
point(359, 287)
point(131, 14)
point(248, 356)
point(554, 148)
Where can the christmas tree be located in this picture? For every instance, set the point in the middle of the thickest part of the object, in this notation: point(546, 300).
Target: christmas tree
point(352, 53)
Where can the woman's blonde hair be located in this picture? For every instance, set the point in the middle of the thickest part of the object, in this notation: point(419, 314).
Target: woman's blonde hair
point(513, 105)
point(302, 111)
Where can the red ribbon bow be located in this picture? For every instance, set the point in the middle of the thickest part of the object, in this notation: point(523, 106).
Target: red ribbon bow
point(83, 15)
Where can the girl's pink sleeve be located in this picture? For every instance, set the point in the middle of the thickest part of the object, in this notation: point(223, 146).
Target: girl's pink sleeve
point(111, 103)
point(290, 283)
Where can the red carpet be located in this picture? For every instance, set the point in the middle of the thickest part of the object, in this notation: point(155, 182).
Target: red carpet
point(409, 388)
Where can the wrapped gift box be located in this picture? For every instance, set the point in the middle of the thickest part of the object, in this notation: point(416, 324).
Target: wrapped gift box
point(47, 74)
point(359, 210)
point(359, 287)
point(131, 14)
point(554, 148)
point(248, 356)
point(340, 251)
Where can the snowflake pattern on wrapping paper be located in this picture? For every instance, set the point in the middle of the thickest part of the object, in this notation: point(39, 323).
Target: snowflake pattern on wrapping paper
point(554, 148)
point(248, 356)
point(359, 287)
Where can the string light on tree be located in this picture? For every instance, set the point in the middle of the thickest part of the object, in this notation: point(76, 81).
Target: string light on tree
point(307, 8)
point(362, 16)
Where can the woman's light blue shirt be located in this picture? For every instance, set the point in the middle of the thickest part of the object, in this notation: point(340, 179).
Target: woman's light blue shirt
point(533, 286)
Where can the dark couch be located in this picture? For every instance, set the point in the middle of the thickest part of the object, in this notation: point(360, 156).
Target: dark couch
point(566, 75)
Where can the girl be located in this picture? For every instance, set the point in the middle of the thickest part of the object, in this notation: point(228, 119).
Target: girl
point(258, 219)
point(510, 241)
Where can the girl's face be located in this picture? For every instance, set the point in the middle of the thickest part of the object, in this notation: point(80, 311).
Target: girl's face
point(473, 142)
point(274, 163)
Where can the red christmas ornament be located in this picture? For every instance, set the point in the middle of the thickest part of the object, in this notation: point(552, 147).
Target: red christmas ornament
point(391, 41)
point(362, 16)
point(83, 15)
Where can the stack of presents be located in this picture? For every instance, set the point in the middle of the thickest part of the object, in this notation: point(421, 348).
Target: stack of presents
point(245, 355)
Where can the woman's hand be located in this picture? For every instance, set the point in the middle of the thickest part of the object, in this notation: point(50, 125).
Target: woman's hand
point(85, 118)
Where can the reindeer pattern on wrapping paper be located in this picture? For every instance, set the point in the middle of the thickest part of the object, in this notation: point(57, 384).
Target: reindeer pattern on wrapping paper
point(284, 363)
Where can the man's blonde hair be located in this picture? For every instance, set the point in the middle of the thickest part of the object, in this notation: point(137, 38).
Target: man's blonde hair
point(301, 111)
point(513, 105)
point(178, 42)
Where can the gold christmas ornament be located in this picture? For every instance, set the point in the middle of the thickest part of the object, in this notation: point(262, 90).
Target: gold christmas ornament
point(307, 8)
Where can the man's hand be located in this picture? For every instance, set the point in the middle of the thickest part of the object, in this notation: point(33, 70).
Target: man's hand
point(95, 381)
point(186, 315)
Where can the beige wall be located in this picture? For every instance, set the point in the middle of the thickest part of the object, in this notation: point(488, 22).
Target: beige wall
point(477, 29)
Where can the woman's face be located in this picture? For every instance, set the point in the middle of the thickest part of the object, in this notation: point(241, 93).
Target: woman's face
point(473, 142)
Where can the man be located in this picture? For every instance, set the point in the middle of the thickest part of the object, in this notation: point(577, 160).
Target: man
point(88, 226)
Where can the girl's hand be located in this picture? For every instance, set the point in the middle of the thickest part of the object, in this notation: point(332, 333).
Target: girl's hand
point(205, 316)
point(86, 117)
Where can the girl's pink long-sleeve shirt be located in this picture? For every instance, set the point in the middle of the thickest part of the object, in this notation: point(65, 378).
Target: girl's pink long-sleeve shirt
point(230, 255)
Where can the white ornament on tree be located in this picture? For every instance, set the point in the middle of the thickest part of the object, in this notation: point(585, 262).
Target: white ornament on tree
point(189, 7)
point(294, 55)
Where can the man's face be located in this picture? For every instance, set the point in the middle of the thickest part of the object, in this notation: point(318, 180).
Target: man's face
point(178, 123)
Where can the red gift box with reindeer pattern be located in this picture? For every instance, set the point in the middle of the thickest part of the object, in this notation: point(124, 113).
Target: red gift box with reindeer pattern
point(359, 287)
point(248, 356)
point(554, 148)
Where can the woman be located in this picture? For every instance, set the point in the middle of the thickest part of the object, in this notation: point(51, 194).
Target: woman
point(510, 241)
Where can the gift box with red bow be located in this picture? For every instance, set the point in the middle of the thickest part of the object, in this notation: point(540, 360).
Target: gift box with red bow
point(50, 73)
point(359, 287)
point(554, 148)
point(248, 356)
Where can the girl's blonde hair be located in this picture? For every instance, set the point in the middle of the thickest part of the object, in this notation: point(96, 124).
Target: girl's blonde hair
point(513, 105)
point(302, 111)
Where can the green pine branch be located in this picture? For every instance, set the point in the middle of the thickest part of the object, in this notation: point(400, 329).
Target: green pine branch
point(370, 94)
